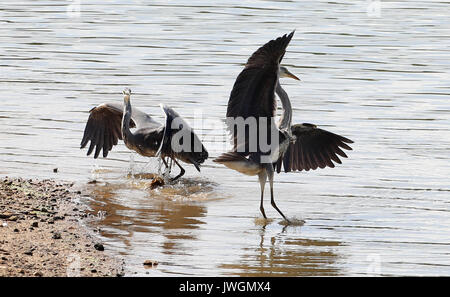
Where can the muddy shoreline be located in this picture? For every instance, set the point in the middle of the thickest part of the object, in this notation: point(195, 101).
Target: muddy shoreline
point(43, 232)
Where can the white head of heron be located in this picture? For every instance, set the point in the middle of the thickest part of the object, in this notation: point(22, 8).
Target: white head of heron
point(126, 98)
point(127, 91)
point(284, 72)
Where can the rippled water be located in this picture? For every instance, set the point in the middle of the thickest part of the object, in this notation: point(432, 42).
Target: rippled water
point(377, 73)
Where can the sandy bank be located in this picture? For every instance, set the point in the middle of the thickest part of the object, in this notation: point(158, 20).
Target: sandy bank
point(42, 232)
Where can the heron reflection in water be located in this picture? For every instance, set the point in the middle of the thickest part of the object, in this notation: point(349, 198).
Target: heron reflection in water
point(109, 122)
point(293, 147)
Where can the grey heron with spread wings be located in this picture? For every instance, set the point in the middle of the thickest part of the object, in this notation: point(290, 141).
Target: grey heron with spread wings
point(294, 147)
point(109, 122)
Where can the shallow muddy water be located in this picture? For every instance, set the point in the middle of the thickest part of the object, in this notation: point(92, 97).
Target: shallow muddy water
point(375, 72)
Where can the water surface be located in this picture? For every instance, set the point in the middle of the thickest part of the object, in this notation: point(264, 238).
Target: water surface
point(377, 75)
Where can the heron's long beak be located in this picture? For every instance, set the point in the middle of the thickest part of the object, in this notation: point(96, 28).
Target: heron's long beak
point(291, 75)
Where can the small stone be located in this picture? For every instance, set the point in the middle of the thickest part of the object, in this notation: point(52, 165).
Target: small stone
point(29, 253)
point(150, 263)
point(55, 170)
point(56, 235)
point(157, 182)
point(99, 247)
point(5, 215)
point(16, 230)
point(35, 224)
point(38, 274)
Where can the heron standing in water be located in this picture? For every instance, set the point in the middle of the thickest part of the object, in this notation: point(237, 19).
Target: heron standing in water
point(109, 122)
point(295, 147)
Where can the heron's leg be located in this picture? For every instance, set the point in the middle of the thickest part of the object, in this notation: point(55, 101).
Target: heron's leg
point(181, 171)
point(166, 169)
point(262, 182)
point(168, 163)
point(169, 167)
point(165, 162)
point(270, 174)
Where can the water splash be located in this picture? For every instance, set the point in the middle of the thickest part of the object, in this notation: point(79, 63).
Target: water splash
point(131, 164)
point(95, 171)
point(293, 221)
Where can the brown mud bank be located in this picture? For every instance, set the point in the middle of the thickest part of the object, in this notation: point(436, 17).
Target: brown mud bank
point(43, 232)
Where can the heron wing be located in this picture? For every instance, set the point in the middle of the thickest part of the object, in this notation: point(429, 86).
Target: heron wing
point(195, 153)
point(314, 148)
point(103, 128)
point(253, 93)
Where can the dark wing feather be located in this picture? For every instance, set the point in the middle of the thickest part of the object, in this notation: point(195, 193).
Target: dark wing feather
point(270, 53)
point(253, 93)
point(102, 129)
point(314, 148)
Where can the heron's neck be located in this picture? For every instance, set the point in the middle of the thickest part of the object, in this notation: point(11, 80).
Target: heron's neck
point(126, 133)
point(286, 118)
